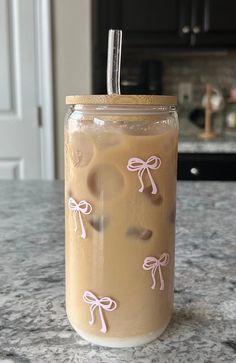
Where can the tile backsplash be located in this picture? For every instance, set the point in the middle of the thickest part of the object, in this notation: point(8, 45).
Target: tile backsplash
point(218, 70)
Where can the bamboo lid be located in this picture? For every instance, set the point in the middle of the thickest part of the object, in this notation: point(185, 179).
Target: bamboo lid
point(122, 100)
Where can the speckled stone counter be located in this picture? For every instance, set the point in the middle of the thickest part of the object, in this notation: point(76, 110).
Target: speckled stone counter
point(190, 144)
point(33, 323)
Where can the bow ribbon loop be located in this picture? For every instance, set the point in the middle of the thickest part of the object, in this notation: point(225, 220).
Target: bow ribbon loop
point(82, 207)
point(136, 164)
point(105, 303)
point(153, 263)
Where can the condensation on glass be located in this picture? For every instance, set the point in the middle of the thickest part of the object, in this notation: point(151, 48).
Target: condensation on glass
point(120, 201)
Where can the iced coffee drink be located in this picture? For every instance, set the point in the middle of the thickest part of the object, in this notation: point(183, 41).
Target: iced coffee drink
point(120, 193)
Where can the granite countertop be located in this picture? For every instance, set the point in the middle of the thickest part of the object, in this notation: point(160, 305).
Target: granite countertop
point(192, 144)
point(33, 323)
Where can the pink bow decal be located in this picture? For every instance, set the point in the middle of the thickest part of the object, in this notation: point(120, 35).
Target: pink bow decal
point(136, 164)
point(152, 263)
point(105, 303)
point(81, 207)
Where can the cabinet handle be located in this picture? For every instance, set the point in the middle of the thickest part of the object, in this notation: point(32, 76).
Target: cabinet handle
point(194, 171)
point(186, 29)
point(196, 29)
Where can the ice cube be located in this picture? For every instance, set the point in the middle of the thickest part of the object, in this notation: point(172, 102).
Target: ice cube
point(106, 139)
point(139, 232)
point(68, 192)
point(105, 181)
point(154, 198)
point(66, 141)
point(172, 215)
point(80, 149)
point(141, 128)
point(98, 223)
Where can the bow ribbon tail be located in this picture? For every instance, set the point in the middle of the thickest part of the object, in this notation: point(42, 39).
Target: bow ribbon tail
point(104, 327)
point(83, 233)
point(92, 308)
point(161, 278)
point(154, 188)
point(153, 277)
point(140, 176)
point(75, 222)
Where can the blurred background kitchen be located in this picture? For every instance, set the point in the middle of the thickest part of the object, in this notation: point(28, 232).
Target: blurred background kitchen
point(53, 48)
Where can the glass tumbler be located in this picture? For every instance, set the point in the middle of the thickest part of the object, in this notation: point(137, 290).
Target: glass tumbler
point(120, 202)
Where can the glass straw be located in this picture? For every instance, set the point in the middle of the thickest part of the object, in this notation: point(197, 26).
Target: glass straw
point(113, 61)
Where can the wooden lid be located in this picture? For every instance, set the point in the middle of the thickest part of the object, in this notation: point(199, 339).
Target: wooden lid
point(122, 100)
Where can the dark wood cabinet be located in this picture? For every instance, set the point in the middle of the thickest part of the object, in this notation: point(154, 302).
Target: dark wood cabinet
point(154, 26)
point(214, 23)
point(207, 166)
point(167, 23)
point(162, 23)
point(153, 22)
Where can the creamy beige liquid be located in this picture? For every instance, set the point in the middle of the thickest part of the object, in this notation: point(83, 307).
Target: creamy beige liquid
point(124, 227)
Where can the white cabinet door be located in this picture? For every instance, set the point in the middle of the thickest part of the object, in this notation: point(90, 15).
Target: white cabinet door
point(19, 129)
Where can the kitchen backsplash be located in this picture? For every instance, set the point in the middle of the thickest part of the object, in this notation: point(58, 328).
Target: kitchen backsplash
point(218, 70)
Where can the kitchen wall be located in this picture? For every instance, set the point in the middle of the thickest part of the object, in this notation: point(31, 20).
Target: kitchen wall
point(72, 60)
point(219, 70)
point(197, 69)
point(216, 69)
